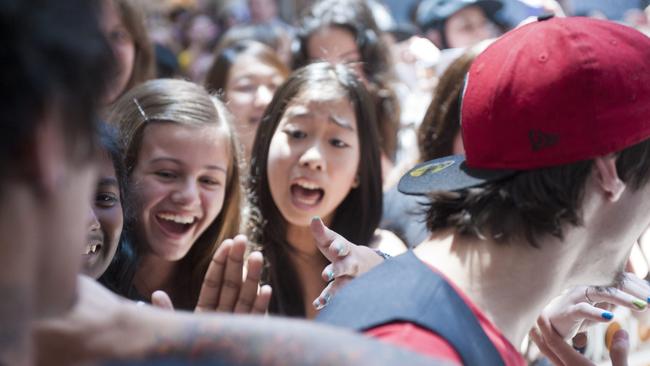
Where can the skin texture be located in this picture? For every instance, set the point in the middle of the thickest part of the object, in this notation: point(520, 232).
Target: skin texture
point(123, 48)
point(467, 27)
point(249, 89)
point(105, 220)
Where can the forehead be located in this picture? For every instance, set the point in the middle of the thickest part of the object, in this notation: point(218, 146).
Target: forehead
point(311, 105)
point(467, 14)
point(331, 41)
point(196, 145)
point(105, 165)
point(247, 65)
point(110, 14)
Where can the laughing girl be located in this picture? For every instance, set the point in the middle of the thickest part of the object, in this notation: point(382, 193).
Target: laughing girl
point(181, 161)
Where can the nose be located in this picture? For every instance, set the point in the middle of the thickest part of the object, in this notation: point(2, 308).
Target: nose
point(263, 96)
point(313, 159)
point(93, 222)
point(186, 195)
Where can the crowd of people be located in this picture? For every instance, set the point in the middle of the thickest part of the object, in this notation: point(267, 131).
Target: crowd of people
point(209, 183)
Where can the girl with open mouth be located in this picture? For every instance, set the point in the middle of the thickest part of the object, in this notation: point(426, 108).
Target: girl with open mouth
point(106, 214)
point(183, 177)
point(316, 154)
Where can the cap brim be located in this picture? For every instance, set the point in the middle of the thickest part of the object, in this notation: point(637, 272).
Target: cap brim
point(450, 173)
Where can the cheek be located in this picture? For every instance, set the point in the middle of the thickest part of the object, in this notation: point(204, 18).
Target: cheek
point(125, 54)
point(111, 221)
point(147, 193)
point(213, 203)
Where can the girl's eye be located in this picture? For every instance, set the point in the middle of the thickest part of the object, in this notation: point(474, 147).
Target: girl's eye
point(106, 200)
point(245, 88)
point(338, 143)
point(296, 134)
point(119, 36)
point(165, 175)
point(211, 182)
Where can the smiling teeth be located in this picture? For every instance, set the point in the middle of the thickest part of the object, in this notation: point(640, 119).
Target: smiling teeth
point(177, 219)
point(308, 185)
point(92, 249)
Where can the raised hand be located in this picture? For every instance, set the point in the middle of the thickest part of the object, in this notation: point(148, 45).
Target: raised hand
point(224, 288)
point(347, 260)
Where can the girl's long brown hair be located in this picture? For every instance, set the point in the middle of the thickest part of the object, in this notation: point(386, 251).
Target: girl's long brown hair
point(356, 218)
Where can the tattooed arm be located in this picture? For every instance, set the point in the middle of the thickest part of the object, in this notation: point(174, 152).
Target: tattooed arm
point(111, 328)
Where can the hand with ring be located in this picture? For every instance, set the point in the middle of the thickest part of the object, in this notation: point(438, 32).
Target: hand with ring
point(576, 308)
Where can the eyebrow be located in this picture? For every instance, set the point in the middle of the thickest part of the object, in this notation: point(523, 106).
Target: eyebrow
point(108, 181)
point(351, 53)
point(178, 162)
point(341, 122)
point(302, 112)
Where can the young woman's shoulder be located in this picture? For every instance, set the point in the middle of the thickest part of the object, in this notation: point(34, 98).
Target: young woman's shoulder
point(387, 242)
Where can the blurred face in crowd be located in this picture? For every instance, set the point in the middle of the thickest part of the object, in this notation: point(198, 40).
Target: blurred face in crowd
point(262, 10)
point(105, 220)
point(123, 47)
point(179, 185)
point(336, 45)
point(313, 157)
point(467, 27)
point(249, 89)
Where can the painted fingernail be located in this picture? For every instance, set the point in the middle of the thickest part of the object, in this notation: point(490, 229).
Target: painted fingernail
point(607, 315)
point(315, 218)
point(330, 275)
point(648, 299)
point(321, 302)
point(340, 249)
point(317, 304)
point(640, 304)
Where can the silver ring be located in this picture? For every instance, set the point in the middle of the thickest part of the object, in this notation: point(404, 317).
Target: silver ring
point(591, 302)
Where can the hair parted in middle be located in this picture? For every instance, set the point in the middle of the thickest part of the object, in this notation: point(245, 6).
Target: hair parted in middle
point(181, 102)
point(356, 218)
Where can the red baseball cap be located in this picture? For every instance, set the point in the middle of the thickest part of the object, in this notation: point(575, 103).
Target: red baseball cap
point(553, 92)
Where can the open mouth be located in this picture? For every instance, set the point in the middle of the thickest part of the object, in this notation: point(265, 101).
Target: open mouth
point(306, 193)
point(93, 248)
point(175, 224)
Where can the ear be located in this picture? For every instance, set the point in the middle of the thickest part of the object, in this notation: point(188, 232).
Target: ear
point(45, 154)
point(607, 177)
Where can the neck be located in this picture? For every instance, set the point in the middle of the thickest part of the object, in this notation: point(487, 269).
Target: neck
point(153, 274)
point(18, 255)
point(511, 283)
point(309, 264)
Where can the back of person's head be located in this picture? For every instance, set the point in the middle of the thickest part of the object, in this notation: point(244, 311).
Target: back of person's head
point(356, 217)
point(440, 127)
point(188, 104)
point(55, 67)
point(539, 105)
point(52, 67)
